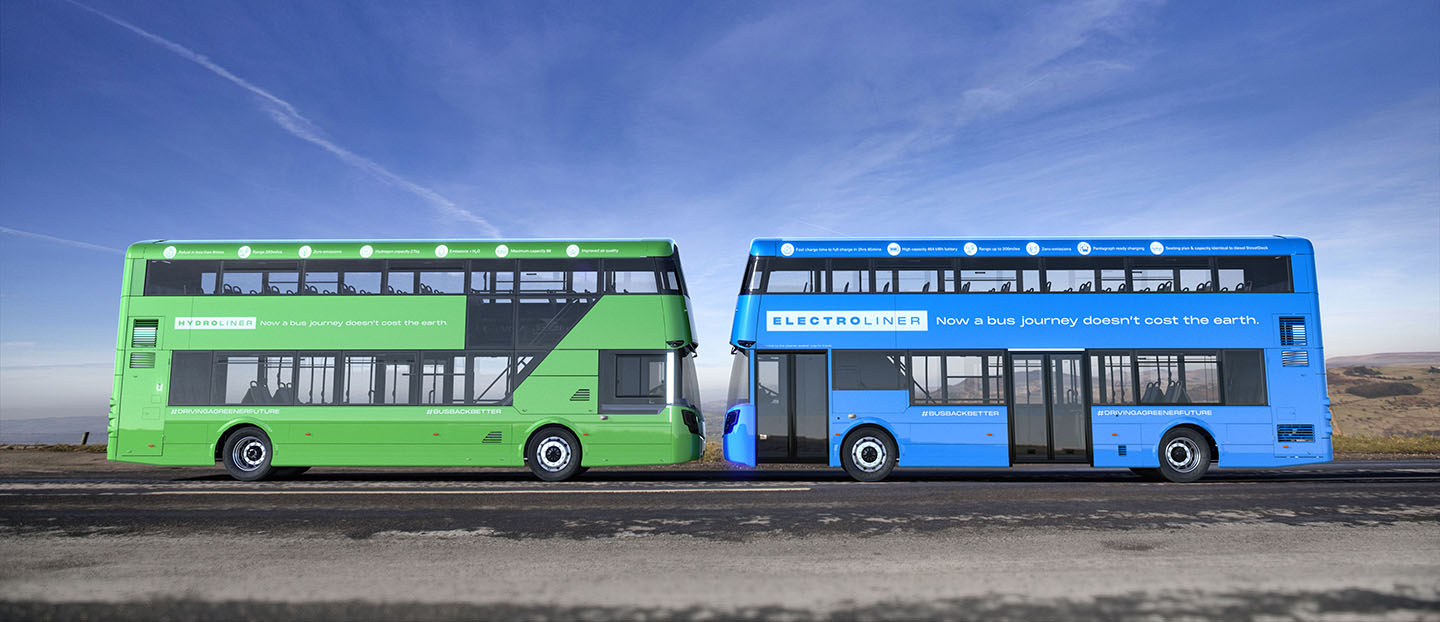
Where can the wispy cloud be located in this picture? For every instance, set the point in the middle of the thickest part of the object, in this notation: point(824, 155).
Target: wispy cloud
point(289, 118)
point(66, 242)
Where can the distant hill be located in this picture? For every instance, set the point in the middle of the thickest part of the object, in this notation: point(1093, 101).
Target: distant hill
point(53, 430)
point(1385, 359)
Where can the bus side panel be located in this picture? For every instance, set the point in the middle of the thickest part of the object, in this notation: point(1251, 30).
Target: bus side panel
point(927, 436)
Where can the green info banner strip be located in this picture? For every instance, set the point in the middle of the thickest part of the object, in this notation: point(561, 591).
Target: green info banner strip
point(293, 322)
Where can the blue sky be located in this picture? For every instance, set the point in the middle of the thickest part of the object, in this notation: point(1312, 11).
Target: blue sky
point(711, 123)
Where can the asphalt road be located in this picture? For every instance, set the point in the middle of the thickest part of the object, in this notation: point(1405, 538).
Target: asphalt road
point(1342, 541)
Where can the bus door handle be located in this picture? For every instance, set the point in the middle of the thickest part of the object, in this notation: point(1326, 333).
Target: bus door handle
point(604, 417)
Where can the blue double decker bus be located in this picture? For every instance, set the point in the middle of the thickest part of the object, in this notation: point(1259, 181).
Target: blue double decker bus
point(1163, 355)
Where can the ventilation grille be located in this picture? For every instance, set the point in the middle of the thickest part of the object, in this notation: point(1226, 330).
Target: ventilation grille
point(143, 335)
point(1295, 433)
point(1292, 332)
point(1294, 358)
point(581, 395)
point(1122, 450)
point(493, 438)
point(142, 360)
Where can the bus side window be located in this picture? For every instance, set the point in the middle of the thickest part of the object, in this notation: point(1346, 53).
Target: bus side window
point(381, 378)
point(870, 370)
point(1111, 379)
point(243, 379)
point(181, 278)
point(1244, 372)
point(631, 276)
point(190, 377)
point(315, 379)
point(1255, 274)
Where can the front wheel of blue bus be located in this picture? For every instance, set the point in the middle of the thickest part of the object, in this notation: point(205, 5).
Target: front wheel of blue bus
point(553, 454)
point(868, 454)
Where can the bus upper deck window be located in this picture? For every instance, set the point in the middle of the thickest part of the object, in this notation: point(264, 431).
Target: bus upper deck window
point(850, 276)
point(915, 275)
point(1255, 274)
point(181, 278)
point(795, 276)
point(631, 276)
point(492, 276)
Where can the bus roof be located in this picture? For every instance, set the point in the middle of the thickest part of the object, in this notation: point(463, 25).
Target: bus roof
point(1026, 247)
point(400, 249)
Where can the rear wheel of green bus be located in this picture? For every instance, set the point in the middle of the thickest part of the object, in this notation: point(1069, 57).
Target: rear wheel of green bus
point(247, 454)
point(553, 454)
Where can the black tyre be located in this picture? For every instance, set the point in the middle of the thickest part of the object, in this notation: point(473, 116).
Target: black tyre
point(1184, 455)
point(553, 454)
point(287, 472)
point(1150, 475)
point(869, 454)
point(247, 454)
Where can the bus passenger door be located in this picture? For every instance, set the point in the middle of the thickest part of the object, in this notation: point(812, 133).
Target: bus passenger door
point(791, 406)
point(1048, 415)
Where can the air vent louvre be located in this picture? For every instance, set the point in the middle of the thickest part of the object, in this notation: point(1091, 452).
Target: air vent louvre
point(144, 333)
point(142, 360)
point(493, 438)
point(1292, 332)
point(1122, 450)
point(581, 395)
point(1295, 433)
point(1294, 358)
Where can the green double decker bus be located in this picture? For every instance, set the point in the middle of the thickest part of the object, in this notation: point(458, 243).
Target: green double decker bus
point(271, 357)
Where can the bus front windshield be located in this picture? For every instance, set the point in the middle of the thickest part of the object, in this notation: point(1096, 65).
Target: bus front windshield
point(739, 380)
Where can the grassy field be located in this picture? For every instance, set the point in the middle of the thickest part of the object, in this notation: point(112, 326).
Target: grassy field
point(1387, 416)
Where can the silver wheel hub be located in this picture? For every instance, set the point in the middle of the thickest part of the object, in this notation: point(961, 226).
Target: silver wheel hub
point(1182, 455)
point(249, 454)
point(869, 454)
point(553, 454)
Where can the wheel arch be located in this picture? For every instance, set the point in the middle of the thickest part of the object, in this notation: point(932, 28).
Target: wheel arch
point(230, 428)
point(538, 426)
point(1199, 428)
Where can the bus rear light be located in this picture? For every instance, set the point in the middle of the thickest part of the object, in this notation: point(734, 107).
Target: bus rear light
point(691, 421)
point(732, 417)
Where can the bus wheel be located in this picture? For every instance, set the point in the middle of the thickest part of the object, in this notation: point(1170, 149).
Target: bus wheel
point(868, 455)
point(247, 454)
point(1184, 455)
point(553, 454)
